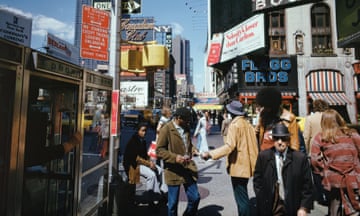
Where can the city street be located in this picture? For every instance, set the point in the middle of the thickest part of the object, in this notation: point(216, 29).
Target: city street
point(215, 189)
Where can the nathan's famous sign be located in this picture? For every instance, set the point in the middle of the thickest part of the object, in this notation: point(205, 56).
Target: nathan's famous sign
point(261, 5)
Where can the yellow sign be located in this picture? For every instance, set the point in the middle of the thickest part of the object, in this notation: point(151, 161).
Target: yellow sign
point(208, 107)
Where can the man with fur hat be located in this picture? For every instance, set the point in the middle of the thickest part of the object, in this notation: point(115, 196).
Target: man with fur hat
point(241, 150)
point(282, 179)
point(269, 99)
point(175, 148)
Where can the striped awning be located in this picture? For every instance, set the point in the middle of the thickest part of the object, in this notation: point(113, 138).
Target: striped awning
point(333, 98)
point(253, 94)
point(324, 81)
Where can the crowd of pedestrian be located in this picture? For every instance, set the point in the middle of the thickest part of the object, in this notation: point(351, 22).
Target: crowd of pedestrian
point(290, 169)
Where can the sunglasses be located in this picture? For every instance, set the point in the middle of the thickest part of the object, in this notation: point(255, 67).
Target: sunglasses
point(282, 138)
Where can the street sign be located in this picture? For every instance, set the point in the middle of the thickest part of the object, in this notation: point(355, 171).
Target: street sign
point(95, 34)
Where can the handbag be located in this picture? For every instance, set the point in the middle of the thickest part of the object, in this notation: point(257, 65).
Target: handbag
point(152, 150)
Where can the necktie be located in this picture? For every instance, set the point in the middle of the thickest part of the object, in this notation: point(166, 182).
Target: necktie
point(280, 179)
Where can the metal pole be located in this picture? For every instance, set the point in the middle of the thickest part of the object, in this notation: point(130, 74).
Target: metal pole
point(114, 67)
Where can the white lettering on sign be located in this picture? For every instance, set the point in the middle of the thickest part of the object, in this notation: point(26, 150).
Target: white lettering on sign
point(103, 5)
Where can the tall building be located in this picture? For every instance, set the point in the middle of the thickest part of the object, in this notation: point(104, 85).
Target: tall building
point(182, 67)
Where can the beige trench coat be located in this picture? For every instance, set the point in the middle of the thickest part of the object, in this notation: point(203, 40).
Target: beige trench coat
point(241, 149)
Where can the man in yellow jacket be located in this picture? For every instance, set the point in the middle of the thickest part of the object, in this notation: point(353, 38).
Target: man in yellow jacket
point(241, 150)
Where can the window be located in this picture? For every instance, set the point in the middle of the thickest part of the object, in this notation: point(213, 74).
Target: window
point(321, 30)
point(277, 33)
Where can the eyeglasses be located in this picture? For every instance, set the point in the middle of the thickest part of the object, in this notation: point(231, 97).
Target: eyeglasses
point(282, 138)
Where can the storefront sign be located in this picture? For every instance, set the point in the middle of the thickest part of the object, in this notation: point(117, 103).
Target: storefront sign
point(260, 5)
point(47, 64)
point(278, 71)
point(246, 37)
point(15, 28)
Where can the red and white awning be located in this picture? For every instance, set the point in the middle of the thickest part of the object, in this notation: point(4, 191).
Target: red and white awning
point(324, 81)
point(333, 98)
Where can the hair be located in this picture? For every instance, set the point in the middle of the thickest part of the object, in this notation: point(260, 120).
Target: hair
point(140, 125)
point(269, 97)
point(183, 113)
point(332, 124)
point(320, 105)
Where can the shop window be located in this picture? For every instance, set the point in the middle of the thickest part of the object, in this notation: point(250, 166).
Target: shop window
point(277, 33)
point(321, 30)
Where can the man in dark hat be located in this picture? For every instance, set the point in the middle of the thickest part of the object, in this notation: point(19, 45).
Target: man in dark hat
point(282, 179)
point(175, 148)
point(241, 150)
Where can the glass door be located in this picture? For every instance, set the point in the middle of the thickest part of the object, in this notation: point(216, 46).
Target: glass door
point(49, 173)
point(7, 90)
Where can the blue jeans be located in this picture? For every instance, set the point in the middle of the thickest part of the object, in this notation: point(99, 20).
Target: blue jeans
point(241, 195)
point(193, 198)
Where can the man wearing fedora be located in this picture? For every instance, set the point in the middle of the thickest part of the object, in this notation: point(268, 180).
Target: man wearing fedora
point(241, 150)
point(282, 179)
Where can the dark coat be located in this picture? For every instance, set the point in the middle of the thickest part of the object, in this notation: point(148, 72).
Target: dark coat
point(135, 155)
point(297, 182)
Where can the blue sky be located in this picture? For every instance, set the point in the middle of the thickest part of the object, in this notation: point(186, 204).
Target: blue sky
point(188, 18)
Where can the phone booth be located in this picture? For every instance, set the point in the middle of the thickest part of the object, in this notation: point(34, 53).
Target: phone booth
point(95, 149)
point(52, 92)
point(44, 101)
point(11, 78)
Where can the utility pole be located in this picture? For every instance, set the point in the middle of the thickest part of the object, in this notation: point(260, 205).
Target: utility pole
point(114, 68)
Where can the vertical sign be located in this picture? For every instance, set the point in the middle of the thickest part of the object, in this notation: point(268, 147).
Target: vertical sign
point(94, 34)
point(215, 49)
point(114, 112)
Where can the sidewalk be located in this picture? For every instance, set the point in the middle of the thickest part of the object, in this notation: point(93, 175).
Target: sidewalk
point(215, 189)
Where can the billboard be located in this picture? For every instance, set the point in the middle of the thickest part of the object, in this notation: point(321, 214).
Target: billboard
point(94, 34)
point(62, 49)
point(268, 5)
point(134, 92)
point(138, 29)
point(15, 28)
point(348, 23)
point(245, 37)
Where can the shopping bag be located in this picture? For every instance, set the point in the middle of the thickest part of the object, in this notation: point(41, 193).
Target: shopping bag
point(152, 150)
